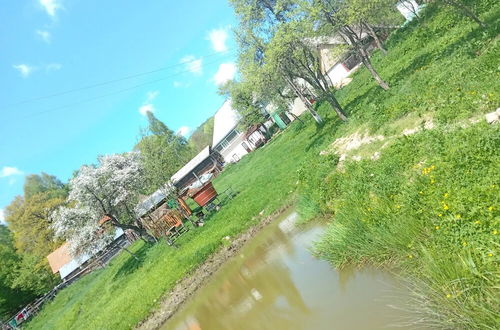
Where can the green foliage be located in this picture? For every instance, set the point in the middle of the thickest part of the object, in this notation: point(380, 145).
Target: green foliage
point(163, 153)
point(23, 253)
point(10, 298)
point(202, 135)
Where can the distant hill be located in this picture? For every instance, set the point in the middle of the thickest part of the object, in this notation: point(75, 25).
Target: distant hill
point(202, 135)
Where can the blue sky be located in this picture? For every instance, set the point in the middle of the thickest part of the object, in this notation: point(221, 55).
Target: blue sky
point(51, 47)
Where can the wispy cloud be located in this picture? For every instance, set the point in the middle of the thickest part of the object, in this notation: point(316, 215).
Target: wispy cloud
point(2, 217)
point(24, 69)
point(7, 171)
point(148, 106)
point(180, 84)
point(226, 72)
point(193, 64)
point(218, 38)
point(50, 6)
point(53, 67)
point(44, 35)
point(183, 131)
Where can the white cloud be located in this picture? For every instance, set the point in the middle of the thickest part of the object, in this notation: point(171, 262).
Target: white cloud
point(24, 69)
point(9, 171)
point(2, 217)
point(193, 64)
point(151, 95)
point(53, 67)
point(183, 131)
point(218, 39)
point(148, 106)
point(144, 109)
point(225, 73)
point(44, 35)
point(180, 84)
point(50, 6)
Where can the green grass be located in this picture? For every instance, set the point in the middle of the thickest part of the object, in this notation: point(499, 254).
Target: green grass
point(126, 291)
point(443, 67)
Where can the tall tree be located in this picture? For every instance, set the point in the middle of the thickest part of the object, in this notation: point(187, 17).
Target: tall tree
point(163, 153)
point(259, 22)
point(343, 18)
point(10, 300)
point(109, 189)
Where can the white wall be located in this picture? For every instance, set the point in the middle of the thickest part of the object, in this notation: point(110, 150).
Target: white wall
point(337, 74)
point(407, 8)
point(234, 148)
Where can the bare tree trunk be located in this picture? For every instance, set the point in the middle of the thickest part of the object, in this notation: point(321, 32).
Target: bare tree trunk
point(365, 58)
point(379, 42)
point(304, 100)
point(336, 106)
point(295, 116)
point(466, 11)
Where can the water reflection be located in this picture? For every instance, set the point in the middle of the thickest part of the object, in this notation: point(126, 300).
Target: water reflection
point(276, 284)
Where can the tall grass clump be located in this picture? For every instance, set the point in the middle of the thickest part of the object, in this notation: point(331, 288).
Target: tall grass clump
point(428, 206)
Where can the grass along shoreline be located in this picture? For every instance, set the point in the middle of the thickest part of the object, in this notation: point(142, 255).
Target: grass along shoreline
point(443, 67)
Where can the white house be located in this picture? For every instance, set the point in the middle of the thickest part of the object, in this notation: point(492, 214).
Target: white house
point(228, 140)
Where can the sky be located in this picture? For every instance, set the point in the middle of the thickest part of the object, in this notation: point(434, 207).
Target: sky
point(78, 77)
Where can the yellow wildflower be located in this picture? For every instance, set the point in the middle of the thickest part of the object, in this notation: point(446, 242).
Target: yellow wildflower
point(440, 214)
point(410, 256)
point(421, 193)
point(464, 243)
point(458, 216)
point(433, 181)
point(495, 232)
point(398, 206)
point(437, 227)
point(490, 254)
point(477, 222)
point(446, 195)
point(490, 208)
point(448, 296)
point(445, 207)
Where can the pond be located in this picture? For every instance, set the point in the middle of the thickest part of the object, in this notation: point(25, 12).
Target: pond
point(275, 283)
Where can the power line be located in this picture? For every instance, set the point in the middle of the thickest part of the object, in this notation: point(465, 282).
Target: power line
point(112, 93)
point(108, 82)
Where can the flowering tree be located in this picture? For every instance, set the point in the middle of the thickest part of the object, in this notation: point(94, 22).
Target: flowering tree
point(107, 190)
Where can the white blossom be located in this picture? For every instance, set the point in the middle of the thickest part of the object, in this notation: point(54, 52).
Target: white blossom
point(108, 188)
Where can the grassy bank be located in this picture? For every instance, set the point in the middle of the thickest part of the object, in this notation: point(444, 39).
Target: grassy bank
point(428, 205)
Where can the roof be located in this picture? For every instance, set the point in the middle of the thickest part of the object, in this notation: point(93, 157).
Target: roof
point(225, 120)
point(59, 258)
point(153, 200)
point(191, 165)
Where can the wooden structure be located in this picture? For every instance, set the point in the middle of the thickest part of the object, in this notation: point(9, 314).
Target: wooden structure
point(165, 222)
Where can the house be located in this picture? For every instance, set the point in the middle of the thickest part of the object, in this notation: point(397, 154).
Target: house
point(61, 261)
point(207, 161)
point(228, 140)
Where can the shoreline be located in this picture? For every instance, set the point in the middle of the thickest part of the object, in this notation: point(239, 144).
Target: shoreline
point(174, 299)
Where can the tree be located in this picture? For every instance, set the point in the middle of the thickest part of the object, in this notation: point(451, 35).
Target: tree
point(460, 6)
point(259, 23)
point(343, 19)
point(11, 298)
point(109, 189)
point(35, 184)
point(202, 135)
point(163, 153)
point(30, 222)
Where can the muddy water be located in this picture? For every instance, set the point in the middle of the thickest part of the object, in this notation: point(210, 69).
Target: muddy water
point(275, 283)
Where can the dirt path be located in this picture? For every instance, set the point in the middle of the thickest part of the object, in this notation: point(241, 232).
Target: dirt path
point(185, 288)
